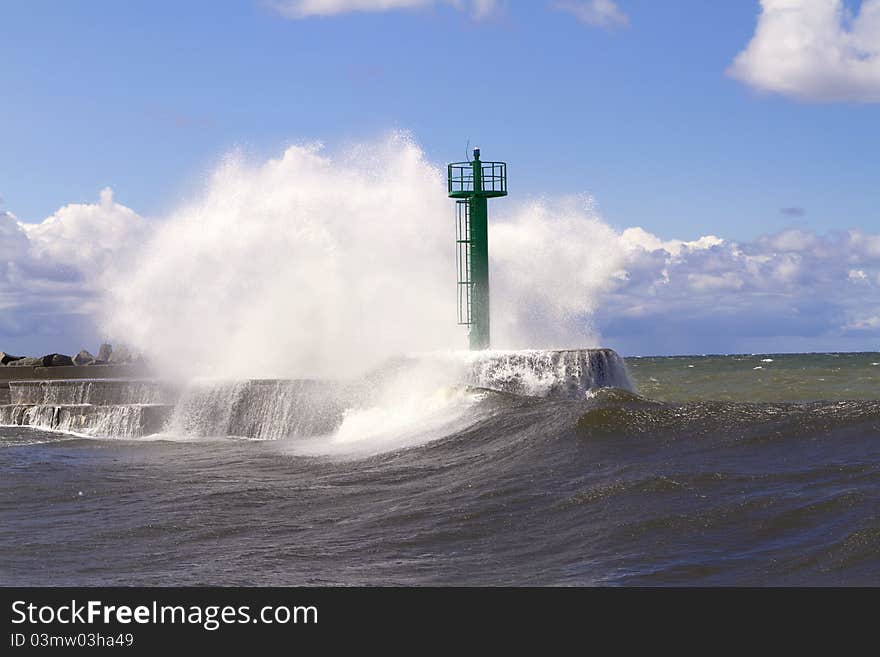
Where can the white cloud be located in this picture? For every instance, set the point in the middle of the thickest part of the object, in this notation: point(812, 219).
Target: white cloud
point(639, 238)
point(791, 240)
point(87, 237)
point(13, 239)
point(52, 273)
point(871, 323)
point(600, 13)
point(484, 8)
point(715, 282)
point(308, 8)
point(814, 50)
point(869, 244)
point(789, 290)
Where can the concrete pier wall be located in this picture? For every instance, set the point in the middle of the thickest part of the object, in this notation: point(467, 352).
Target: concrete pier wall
point(9, 373)
point(63, 373)
point(125, 401)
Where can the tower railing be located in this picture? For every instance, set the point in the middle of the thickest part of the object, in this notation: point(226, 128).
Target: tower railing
point(493, 179)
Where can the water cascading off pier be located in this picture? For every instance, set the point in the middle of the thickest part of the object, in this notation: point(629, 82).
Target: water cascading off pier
point(277, 409)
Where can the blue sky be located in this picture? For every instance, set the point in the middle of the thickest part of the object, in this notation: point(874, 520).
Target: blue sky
point(744, 120)
point(145, 97)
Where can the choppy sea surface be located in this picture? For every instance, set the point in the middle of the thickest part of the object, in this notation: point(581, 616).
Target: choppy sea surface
point(723, 470)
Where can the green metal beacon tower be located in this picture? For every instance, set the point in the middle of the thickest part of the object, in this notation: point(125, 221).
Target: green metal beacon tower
point(471, 184)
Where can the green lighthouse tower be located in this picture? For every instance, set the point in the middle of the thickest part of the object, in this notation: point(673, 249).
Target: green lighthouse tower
point(471, 184)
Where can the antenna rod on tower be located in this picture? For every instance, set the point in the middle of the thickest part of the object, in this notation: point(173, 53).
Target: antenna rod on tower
point(472, 184)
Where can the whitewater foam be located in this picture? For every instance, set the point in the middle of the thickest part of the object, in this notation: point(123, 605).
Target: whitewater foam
point(534, 372)
point(401, 424)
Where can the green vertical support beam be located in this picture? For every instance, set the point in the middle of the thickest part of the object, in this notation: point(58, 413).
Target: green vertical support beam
point(479, 333)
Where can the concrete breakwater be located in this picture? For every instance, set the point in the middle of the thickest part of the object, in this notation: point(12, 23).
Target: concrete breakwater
point(94, 401)
point(68, 372)
point(130, 408)
point(120, 401)
point(121, 362)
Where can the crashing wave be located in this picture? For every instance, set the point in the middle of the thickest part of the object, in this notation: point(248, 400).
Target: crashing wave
point(409, 393)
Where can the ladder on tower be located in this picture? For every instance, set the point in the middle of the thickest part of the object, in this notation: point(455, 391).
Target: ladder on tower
point(463, 261)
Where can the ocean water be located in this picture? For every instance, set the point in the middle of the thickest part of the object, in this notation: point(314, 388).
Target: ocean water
point(722, 470)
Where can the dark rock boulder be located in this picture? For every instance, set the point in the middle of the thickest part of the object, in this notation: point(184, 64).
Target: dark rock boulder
point(26, 362)
point(49, 360)
point(56, 360)
point(83, 358)
point(122, 355)
point(105, 351)
point(5, 358)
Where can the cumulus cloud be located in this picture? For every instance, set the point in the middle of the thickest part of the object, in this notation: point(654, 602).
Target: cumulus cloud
point(87, 238)
point(871, 323)
point(789, 290)
point(307, 8)
point(52, 273)
point(600, 13)
point(814, 50)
